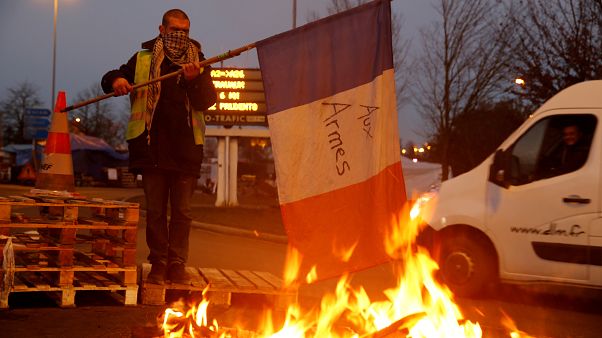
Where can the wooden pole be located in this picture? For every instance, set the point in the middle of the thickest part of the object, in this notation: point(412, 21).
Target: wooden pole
point(227, 55)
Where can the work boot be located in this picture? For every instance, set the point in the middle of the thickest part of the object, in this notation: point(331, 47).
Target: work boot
point(177, 274)
point(157, 274)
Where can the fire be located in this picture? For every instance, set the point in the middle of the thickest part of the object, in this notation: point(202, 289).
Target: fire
point(418, 306)
point(344, 254)
point(193, 323)
point(514, 331)
point(293, 264)
point(312, 275)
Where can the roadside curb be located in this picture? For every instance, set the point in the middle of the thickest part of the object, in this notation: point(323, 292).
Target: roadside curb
point(228, 230)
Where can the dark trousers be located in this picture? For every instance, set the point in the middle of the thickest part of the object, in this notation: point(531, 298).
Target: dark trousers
point(168, 243)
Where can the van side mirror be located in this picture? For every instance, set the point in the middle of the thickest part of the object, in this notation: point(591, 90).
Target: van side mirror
point(499, 173)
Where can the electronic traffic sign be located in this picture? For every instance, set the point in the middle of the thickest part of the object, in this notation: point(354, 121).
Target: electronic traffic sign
point(240, 98)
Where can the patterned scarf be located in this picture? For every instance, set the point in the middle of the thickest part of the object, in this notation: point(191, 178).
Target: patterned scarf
point(180, 50)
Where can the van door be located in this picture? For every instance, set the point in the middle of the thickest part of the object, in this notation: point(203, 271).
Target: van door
point(541, 220)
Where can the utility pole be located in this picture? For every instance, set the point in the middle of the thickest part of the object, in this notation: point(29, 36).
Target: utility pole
point(294, 14)
point(1, 129)
point(56, 12)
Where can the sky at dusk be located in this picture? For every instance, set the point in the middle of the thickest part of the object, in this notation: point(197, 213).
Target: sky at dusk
point(95, 36)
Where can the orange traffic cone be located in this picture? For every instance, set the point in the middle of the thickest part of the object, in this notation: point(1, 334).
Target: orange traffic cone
point(56, 170)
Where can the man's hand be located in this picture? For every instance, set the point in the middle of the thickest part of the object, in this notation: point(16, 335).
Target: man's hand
point(191, 71)
point(121, 86)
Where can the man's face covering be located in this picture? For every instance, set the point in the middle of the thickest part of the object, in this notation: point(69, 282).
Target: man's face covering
point(175, 44)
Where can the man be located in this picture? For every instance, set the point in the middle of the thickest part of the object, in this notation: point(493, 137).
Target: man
point(165, 137)
point(575, 150)
point(570, 155)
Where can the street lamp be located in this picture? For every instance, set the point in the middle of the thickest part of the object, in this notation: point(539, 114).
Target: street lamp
point(520, 93)
point(56, 12)
point(519, 82)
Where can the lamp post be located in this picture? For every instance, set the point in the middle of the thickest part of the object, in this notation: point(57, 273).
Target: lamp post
point(56, 12)
point(294, 14)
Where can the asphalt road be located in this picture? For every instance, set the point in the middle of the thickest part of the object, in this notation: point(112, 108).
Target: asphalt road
point(572, 313)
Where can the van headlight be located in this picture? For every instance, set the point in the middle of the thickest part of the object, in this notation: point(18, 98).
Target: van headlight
point(418, 206)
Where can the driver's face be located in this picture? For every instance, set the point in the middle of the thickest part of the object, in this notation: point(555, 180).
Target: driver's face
point(570, 135)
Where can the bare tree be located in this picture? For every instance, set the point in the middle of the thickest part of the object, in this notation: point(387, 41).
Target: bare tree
point(495, 121)
point(462, 64)
point(400, 45)
point(559, 45)
point(13, 106)
point(99, 119)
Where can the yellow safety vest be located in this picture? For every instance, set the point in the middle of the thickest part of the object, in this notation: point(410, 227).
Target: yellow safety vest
point(136, 124)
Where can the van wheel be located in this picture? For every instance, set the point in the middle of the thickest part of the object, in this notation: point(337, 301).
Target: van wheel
point(466, 266)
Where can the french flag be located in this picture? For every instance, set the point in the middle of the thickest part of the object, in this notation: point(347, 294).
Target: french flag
point(330, 93)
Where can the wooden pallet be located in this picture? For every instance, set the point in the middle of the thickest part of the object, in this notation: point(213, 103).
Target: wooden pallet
point(39, 281)
point(68, 244)
point(221, 284)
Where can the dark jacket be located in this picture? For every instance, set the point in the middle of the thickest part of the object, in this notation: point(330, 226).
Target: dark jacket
point(564, 159)
point(172, 144)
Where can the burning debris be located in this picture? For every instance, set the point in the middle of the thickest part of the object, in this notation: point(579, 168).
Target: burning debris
point(417, 307)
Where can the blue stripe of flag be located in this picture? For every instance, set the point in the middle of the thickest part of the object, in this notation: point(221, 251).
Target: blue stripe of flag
point(325, 57)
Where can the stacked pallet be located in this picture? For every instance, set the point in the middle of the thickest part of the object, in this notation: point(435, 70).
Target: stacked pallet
point(65, 244)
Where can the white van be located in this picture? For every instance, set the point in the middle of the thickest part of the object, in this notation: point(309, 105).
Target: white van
point(531, 212)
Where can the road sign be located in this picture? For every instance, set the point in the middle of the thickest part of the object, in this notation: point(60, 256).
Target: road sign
point(41, 134)
point(38, 133)
point(36, 123)
point(42, 112)
point(240, 98)
point(39, 123)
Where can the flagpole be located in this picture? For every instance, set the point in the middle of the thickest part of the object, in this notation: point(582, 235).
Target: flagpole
point(227, 55)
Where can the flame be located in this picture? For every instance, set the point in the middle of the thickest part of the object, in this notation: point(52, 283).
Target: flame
point(169, 324)
point(312, 275)
point(293, 264)
point(418, 306)
point(344, 253)
point(508, 323)
point(194, 322)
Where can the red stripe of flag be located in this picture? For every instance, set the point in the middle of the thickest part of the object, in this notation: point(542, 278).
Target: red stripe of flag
point(358, 214)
